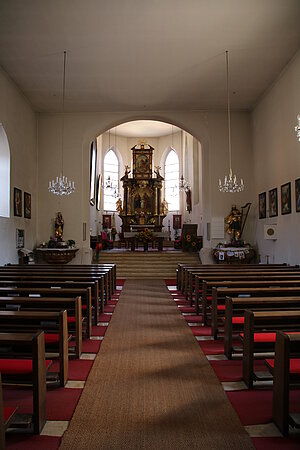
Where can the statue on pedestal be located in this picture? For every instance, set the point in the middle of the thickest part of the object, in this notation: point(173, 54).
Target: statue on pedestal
point(59, 226)
point(233, 224)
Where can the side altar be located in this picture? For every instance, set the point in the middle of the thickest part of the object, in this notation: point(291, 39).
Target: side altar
point(142, 205)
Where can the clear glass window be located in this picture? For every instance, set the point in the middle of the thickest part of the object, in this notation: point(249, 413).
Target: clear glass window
point(172, 181)
point(111, 176)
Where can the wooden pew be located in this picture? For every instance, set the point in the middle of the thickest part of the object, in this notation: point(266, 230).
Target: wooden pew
point(7, 416)
point(106, 270)
point(268, 321)
point(57, 281)
point(205, 282)
point(188, 272)
point(105, 286)
point(72, 305)
point(242, 288)
point(53, 323)
point(235, 309)
point(40, 274)
point(33, 374)
point(44, 292)
point(229, 274)
point(286, 371)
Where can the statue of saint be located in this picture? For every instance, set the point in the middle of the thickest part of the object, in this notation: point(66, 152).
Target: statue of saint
point(233, 224)
point(119, 206)
point(164, 207)
point(59, 226)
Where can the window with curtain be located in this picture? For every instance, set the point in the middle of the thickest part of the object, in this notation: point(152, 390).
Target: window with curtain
point(172, 180)
point(111, 172)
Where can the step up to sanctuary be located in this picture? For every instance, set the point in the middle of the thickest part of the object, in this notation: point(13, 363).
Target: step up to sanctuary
point(151, 264)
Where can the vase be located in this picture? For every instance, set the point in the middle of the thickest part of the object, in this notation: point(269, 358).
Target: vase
point(145, 246)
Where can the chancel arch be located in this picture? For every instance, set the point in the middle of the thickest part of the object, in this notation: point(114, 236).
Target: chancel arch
point(173, 150)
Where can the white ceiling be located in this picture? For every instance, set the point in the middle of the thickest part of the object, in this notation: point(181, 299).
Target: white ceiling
point(137, 55)
point(144, 129)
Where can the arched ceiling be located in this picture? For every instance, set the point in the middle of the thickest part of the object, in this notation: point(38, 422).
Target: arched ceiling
point(144, 128)
point(140, 55)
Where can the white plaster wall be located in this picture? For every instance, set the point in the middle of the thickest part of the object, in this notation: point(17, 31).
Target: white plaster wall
point(19, 122)
point(210, 128)
point(277, 161)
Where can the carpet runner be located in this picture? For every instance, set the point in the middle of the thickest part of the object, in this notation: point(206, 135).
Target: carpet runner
point(150, 386)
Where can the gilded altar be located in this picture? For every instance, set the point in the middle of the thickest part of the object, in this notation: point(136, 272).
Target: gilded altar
point(142, 204)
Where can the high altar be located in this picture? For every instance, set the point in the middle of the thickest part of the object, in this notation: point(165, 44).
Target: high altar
point(142, 205)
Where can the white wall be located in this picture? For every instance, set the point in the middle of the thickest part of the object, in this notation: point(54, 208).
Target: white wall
point(277, 161)
point(19, 122)
point(210, 128)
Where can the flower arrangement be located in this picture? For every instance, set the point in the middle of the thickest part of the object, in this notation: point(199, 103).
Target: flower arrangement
point(190, 243)
point(145, 235)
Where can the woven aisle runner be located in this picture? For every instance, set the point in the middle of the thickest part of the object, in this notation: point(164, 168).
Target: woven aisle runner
point(151, 387)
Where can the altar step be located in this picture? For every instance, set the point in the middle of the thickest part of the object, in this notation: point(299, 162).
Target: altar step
point(152, 264)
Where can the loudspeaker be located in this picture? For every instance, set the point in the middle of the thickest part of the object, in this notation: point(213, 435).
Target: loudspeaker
point(270, 232)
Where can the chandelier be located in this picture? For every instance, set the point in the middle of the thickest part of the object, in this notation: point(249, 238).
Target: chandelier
point(230, 183)
point(62, 186)
point(297, 127)
point(183, 184)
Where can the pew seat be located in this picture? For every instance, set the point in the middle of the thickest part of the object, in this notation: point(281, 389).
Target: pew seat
point(9, 366)
point(294, 368)
point(264, 337)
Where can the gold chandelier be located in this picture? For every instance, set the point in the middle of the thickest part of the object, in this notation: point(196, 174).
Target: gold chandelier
point(230, 183)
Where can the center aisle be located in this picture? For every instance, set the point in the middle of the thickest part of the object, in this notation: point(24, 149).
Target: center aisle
point(151, 387)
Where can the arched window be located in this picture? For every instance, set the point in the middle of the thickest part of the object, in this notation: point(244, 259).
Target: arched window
point(4, 174)
point(111, 177)
point(172, 181)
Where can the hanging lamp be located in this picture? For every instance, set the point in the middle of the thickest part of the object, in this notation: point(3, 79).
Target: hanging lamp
point(230, 183)
point(62, 186)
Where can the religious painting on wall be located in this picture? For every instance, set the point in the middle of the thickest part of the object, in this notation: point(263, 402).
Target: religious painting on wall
point(273, 203)
point(262, 207)
point(142, 161)
point(286, 206)
point(297, 194)
point(17, 202)
point(106, 221)
point(93, 163)
point(176, 221)
point(27, 205)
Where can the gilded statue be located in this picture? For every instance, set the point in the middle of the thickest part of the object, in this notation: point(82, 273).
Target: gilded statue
point(119, 206)
point(233, 224)
point(59, 226)
point(164, 207)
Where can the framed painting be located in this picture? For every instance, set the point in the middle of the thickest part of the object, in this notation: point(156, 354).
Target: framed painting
point(106, 221)
point(273, 203)
point(17, 202)
point(176, 221)
point(142, 161)
point(286, 207)
point(19, 238)
point(93, 163)
point(262, 206)
point(297, 194)
point(27, 205)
